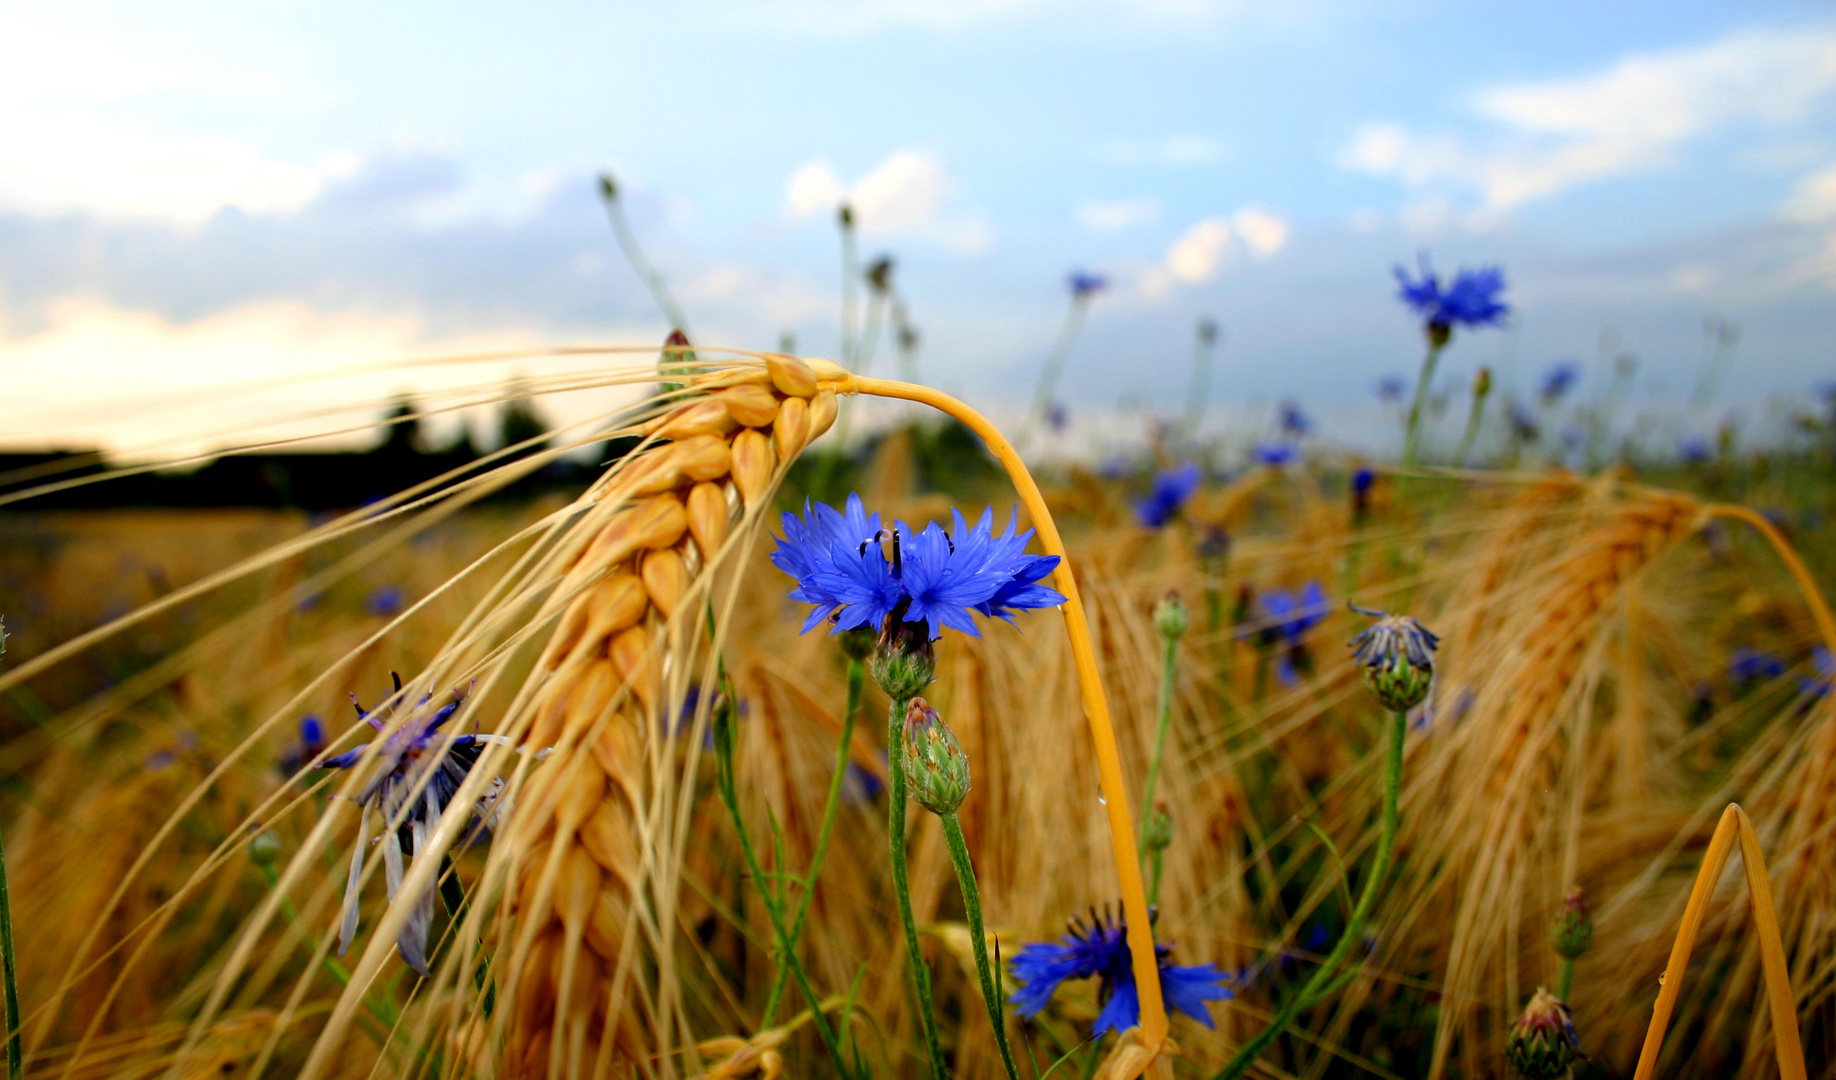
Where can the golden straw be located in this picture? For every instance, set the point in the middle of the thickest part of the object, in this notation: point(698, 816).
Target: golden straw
point(1096, 704)
point(1734, 823)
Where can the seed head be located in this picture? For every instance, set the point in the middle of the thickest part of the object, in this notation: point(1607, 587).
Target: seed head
point(1573, 933)
point(1542, 1044)
point(903, 659)
point(934, 761)
point(1157, 830)
point(265, 848)
point(1170, 616)
point(1397, 655)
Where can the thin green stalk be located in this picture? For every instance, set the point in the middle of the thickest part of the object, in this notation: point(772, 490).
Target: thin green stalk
point(895, 829)
point(15, 1050)
point(1322, 981)
point(1055, 361)
point(857, 674)
point(1412, 438)
point(773, 910)
point(384, 1011)
point(972, 906)
point(1472, 430)
point(1169, 671)
point(627, 243)
point(1566, 980)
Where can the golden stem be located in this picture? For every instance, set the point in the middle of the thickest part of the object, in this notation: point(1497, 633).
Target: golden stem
point(1096, 704)
point(1734, 825)
point(1820, 610)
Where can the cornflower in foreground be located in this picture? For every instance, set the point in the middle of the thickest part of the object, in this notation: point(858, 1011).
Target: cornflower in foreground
point(421, 770)
point(1171, 490)
point(1396, 654)
point(1100, 948)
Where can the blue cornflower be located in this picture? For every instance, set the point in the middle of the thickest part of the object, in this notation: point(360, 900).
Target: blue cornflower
point(1749, 665)
point(1085, 284)
point(1391, 388)
point(1101, 948)
point(1825, 666)
point(1273, 454)
point(311, 744)
point(1171, 490)
point(1523, 423)
point(1057, 417)
point(1559, 380)
point(933, 577)
point(416, 756)
point(384, 601)
point(1291, 614)
point(1363, 481)
point(1293, 421)
point(1695, 450)
point(1472, 299)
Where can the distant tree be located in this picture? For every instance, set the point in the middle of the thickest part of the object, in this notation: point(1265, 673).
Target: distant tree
point(402, 428)
point(517, 419)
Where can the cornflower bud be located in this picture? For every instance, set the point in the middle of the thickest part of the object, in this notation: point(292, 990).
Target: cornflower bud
point(903, 659)
point(1170, 616)
point(1542, 1044)
point(1157, 830)
point(1482, 383)
point(934, 762)
point(265, 848)
point(1397, 657)
point(1573, 933)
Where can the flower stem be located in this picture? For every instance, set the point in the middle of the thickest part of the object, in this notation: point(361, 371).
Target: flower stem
point(857, 674)
point(1169, 670)
point(1322, 981)
point(1566, 980)
point(1412, 437)
point(787, 954)
point(15, 1065)
point(1472, 430)
point(895, 830)
point(972, 906)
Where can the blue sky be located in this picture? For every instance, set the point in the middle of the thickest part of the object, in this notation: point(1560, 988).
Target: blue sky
point(190, 193)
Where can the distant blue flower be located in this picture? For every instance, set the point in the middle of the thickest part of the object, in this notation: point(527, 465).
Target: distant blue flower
point(1363, 481)
point(1100, 948)
point(1293, 421)
point(1291, 614)
point(1749, 665)
point(1057, 417)
point(1523, 423)
point(1171, 490)
point(1558, 381)
point(861, 785)
point(1695, 450)
point(841, 568)
point(1273, 454)
point(1825, 667)
point(1472, 299)
point(311, 744)
point(1392, 388)
point(385, 601)
point(1085, 284)
point(420, 771)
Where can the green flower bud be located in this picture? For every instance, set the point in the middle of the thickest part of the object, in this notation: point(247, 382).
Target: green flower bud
point(1439, 334)
point(1573, 933)
point(265, 848)
point(1157, 830)
point(1170, 616)
point(936, 768)
point(1397, 657)
point(903, 659)
point(1482, 383)
point(1542, 1044)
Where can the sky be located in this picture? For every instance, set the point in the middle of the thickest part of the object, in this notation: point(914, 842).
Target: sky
point(194, 195)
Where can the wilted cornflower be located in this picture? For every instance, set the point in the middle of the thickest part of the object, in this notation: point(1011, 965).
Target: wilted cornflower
point(420, 770)
point(1100, 948)
point(1396, 654)
point(1472, 299)
point(841, 567)
point(1171, 490)
point(1085, 284)
point(1558, 381)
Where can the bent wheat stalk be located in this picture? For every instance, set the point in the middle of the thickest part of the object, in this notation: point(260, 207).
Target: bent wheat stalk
point(1734, 825)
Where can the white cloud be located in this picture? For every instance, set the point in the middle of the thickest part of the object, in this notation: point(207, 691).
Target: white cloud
point(902, 196)
point(1815, 198)
point(1196, 255)
point(1174, 150)
point(1100, 216)
point(1209, 246)
point(1633, 117)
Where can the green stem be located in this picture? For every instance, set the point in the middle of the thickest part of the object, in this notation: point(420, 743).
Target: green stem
point(786, 954)
point(895, 829)
point(1412, 437)
point(972, 906)
point(1169, 670)
point(1322, 981)
point(383, 1011)
point(15, 1064)
point(857, 674)
point(1472, 430)
point(1566, 980)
